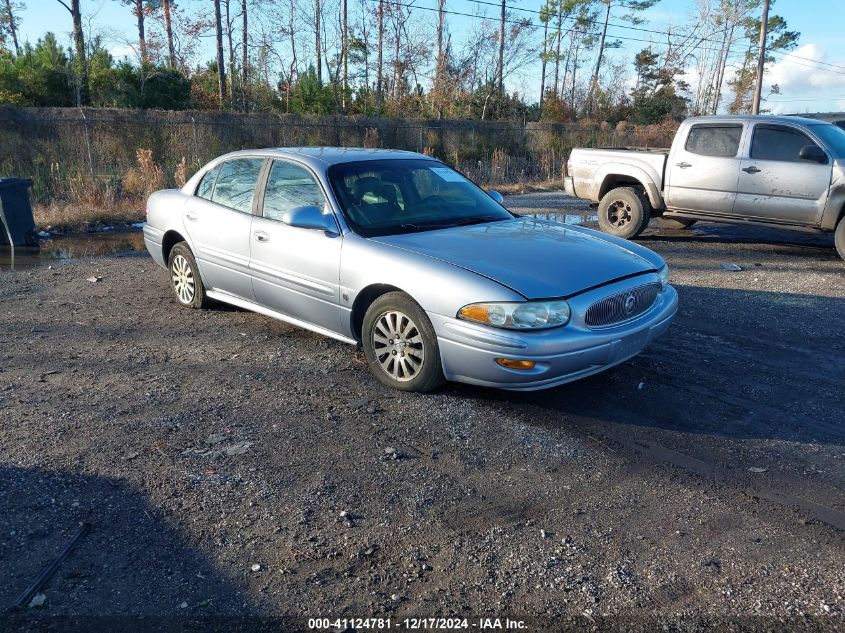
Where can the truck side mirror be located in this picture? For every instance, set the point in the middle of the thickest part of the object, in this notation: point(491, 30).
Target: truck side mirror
point(813, 153)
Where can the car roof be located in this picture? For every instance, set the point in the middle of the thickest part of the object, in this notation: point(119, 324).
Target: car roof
point(764, 118)
point(331, 155)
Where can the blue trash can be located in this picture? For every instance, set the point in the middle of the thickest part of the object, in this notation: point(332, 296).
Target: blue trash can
point(16, 213)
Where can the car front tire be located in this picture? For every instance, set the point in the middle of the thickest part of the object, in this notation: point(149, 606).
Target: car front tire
point(400, 344)
point(839, 237)
point(185, 278)
point(624, 212)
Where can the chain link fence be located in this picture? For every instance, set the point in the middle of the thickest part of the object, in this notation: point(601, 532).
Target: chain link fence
point(84, 154)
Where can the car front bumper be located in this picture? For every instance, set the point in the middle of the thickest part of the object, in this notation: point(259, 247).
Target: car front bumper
point(469, 351)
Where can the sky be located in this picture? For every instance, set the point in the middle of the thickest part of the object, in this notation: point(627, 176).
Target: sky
point(810, 79)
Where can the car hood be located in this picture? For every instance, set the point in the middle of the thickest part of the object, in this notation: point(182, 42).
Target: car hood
point(536, 258)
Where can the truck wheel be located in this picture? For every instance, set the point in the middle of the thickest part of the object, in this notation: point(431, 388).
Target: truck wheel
point(624, 212)
point(839, 237)
point(676, 223)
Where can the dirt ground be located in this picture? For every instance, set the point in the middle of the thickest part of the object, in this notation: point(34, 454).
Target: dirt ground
point(235, 468)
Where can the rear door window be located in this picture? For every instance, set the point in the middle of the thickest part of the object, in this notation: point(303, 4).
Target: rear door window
point(778, 142)
point(714, 140)
point(236, 182)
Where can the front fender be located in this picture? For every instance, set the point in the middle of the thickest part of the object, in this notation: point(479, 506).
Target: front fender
point(836, 199)
point(438, 286)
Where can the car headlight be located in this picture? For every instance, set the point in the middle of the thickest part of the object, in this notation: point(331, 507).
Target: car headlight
point(664, 275)
point(529, 315)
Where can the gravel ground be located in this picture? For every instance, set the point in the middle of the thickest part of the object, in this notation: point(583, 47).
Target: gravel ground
point(237, 467)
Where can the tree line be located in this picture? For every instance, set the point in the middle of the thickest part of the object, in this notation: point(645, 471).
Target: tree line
point(399, 58)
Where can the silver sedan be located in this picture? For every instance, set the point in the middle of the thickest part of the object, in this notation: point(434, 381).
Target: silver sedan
point(398, 253)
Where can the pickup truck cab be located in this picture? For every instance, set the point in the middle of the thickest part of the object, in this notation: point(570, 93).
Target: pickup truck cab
point(774, 170)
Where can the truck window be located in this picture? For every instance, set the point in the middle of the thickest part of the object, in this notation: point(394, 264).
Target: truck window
point(776, 142)
point(714, 140)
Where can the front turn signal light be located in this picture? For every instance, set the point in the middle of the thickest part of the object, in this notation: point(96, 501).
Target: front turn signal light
point(513, 363)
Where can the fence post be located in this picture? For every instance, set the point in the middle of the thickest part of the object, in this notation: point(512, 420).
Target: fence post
point(87, 143)
point(193, 140)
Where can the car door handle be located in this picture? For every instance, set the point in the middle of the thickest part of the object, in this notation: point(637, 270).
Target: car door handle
point(192, 216)
point(751, 170)
point(261, 236)
point(683, 165)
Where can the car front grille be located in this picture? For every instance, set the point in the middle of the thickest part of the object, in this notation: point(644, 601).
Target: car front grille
point(622, 306)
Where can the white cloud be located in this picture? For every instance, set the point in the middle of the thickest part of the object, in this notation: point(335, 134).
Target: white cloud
point(800, 81)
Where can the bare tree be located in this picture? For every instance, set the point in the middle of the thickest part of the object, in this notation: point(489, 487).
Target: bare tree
point(12, 25)
point(168, 29)
point(244, 55)
point(79, 61)
point(380, 61)
point(221, 63)
point(344, 50)
point(318, 40)
point(139, 12)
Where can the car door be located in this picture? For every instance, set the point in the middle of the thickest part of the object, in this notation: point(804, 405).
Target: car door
point(295, 271)
point(218, 219)
point(702, 173)
point(775, 183)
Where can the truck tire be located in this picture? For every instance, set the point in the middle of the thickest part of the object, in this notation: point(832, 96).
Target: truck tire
point(676, 223)
point(624, 212)
point(839, 237)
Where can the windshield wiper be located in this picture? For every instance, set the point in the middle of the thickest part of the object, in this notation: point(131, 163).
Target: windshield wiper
point(449, 225)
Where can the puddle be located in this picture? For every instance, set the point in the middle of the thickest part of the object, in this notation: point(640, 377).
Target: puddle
point(62, 248)
point(565, 218)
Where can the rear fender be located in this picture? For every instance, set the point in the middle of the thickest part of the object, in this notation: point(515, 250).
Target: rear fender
point(612, 175)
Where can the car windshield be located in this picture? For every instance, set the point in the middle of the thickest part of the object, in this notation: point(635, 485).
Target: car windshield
point(833, 137)
point(386, 197)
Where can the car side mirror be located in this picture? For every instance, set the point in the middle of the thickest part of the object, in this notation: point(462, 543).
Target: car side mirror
point(813, 153)
point(496, 196)
point(310, 217)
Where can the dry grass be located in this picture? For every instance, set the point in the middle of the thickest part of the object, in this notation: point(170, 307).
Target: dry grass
point(144, 178)
point(526, 187)
point(68, 217)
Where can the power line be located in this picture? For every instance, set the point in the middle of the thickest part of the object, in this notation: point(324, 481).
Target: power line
point(601, 23)
point(795, 100)
point(731, 51)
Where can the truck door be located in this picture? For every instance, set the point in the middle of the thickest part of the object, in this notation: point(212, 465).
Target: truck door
point(703, 170)
point(783, 178)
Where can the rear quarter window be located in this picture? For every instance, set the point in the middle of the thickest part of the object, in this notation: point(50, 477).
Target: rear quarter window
point(206, 186)
point(714, 140)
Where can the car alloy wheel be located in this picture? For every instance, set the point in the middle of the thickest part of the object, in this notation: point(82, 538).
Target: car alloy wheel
point(398, 346)
point(182, 277)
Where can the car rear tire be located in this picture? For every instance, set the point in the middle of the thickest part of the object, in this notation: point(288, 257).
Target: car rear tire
point(839, 237)
point(400, 344)
point(676, 223)
point(185, 278)
point(624, 212)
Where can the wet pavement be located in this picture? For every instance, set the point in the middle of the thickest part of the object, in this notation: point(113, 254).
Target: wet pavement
point(62, 248)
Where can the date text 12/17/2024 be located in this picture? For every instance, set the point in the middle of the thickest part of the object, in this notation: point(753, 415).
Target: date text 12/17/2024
point(416, 624)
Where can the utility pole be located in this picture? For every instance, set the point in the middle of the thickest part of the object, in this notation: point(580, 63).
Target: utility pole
point(761, 59)
point(501, 69)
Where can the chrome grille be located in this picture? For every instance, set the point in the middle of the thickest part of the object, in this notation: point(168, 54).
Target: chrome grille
point(622, 306)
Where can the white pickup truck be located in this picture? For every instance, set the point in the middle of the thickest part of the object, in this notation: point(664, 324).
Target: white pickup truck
point(775, 170)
